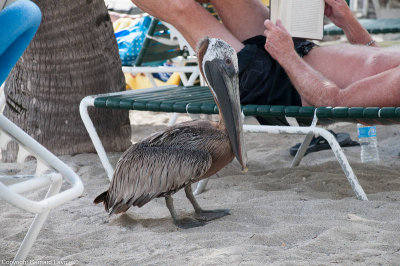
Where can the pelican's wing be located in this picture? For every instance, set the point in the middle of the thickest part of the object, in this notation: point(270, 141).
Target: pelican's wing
point(144, 172)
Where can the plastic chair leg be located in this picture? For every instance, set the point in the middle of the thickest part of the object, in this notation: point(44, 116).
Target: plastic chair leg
point(37, 223)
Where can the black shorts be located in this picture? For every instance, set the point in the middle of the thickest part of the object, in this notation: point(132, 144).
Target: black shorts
point(262, 80)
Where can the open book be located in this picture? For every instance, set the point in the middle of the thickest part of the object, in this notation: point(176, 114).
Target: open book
point(301, 18)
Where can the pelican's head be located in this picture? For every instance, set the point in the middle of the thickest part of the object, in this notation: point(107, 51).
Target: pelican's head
point(219, 66)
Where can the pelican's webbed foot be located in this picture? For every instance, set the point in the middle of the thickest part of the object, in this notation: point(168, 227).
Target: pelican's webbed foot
point(184, 223)
point(209, 215)
point(203, 215)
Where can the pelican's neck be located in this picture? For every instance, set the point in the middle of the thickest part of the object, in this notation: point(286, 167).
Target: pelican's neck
point(221, 123)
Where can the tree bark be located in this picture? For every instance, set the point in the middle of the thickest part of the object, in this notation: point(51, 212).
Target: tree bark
point(74, 54)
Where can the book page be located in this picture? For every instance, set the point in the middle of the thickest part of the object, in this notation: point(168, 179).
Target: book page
point(306, 18)
point(277, 8)
point(301, 18)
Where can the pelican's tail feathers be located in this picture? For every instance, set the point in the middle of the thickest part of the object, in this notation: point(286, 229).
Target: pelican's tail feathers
point(101, 198)
point(120, 207)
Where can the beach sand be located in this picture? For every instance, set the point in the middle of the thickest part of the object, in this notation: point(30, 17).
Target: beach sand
point(307, 215)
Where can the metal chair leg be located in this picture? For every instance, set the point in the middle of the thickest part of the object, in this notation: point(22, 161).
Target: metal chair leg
point(304, 146)
point(85, 103)
point(302, 150)
point(337, 150)
point(201, 186)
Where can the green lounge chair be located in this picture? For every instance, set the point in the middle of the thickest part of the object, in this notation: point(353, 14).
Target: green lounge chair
point(198, 100)
point(380, 25)
point(373, 26)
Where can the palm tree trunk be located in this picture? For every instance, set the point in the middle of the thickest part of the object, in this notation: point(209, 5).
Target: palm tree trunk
point(74, 54)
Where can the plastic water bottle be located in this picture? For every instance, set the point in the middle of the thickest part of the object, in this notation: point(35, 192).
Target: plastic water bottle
point(368, 142)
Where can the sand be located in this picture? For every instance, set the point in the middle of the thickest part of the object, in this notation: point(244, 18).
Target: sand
point(307, 215)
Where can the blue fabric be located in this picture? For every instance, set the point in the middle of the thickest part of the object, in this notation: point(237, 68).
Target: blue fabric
point(130, 40)
point(163, 76)
point(18, 25)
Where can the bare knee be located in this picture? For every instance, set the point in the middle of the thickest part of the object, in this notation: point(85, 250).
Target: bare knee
point(179, 8)
point(382, 61)
point(183, 8)
point(167, 10)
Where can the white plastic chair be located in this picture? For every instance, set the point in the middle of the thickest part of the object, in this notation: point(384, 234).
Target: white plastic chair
point(45, 161)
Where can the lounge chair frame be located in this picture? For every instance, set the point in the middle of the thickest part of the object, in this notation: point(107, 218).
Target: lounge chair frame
point(195, 100)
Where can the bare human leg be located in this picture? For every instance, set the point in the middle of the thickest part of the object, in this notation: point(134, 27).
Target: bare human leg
point(190, 19)
point(243, 18)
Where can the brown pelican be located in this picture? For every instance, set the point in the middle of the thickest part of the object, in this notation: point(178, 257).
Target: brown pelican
point(185, 153)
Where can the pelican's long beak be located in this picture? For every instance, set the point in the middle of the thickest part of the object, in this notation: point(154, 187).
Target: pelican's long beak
point(220, 69)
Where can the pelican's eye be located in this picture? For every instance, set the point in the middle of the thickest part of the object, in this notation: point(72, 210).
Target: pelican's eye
point(228, 61)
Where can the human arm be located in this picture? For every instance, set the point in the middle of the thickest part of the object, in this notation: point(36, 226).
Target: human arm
point(382, 89)
point(340, 14)
point(314, 88)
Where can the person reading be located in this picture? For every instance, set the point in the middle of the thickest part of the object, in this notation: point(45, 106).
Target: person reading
point(276, 69)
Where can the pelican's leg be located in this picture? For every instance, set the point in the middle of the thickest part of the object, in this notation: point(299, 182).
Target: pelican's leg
point(183, 223)
point(204, 215)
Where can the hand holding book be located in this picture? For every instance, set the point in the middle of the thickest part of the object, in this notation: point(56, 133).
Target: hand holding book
point(279, 43)
point(338, 12)
point(305, 19)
